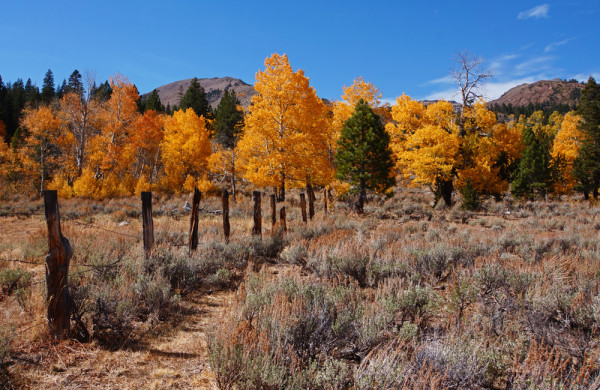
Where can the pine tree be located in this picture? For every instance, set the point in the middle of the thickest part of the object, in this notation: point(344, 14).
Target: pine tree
point(364, 158)
point(75, 84)
point(228, 119)
point(101, 93)
point(32, 94)
point(535, 168)
point(153, 102)
point(586, 169)
point(195, 98)
point(48, 92)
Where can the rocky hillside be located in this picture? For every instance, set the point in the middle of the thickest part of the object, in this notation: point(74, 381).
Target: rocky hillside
point(214, 87)
point(552, 92)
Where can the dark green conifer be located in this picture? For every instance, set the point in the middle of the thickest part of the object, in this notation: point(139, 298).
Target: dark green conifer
point(195, 98)
point(228, 119)
point(364, 158)
point(48, 92)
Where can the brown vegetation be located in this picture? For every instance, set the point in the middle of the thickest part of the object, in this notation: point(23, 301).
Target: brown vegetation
point(404, 297)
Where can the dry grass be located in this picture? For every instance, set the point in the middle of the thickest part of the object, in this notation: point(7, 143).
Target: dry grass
point(404, 297)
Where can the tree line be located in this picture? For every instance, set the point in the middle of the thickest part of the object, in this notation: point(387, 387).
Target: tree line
point(104, 141)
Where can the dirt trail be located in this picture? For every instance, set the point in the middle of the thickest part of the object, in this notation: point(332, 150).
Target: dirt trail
point(175, 360)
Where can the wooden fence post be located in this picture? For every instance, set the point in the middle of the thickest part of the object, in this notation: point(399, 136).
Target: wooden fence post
point(311, 201)
point(282, 219)
point(193, 241)
point(324, 200)
point(226, 226)
point(57, 270)
point(257, 228)
point(273, 212)
point(303, 206)
point(147, 223)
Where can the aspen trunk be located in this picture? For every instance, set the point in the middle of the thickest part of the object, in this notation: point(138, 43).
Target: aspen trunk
point(324, 200)
point(257, 228)
point(57, 271)
point(193, 240)
point(147, 223)
point(303, 207)
point(226, 226)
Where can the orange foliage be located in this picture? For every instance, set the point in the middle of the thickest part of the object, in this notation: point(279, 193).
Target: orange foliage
point(283, 140)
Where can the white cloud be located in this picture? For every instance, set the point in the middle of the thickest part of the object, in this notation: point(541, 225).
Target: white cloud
point(442, 80)
point(534, 65)
point(497, 64)
point(390, 101)
point(552, 46)
point(583, 77)
point(490, 91)
point(541, 11)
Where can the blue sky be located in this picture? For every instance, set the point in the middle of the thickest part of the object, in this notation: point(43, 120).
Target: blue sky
point(400, 46)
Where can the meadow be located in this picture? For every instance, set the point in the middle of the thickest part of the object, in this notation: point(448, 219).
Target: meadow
point(404, 296)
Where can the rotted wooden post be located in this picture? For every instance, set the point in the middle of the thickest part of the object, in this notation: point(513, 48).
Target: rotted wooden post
point(226, 226)
point(57, 270)
point(282, 219)
point(257, 228)
point(311, 201)
point(303, 206)
point(273, 212)
point(324, 200)
point(147, 223)
point(193, 241)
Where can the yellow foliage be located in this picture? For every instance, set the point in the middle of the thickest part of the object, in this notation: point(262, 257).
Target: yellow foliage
point(340, 187)
point(143, 185)
point(38, 154)
point(429, 149)
point(142, 147)
point(87, 186)
point(284, 142)
point(566, 144)
point(430, 154)
point(117, 116)
point(185, 150)
point(62, 187)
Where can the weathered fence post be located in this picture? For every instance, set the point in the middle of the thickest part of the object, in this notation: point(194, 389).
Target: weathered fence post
point(282, 219)
point(226, 226)
point(57, 270)
point(324, 200)
point(147, 223)
point(311, 201)
point(273, 212)
point(303, 206)
point(193, 241)
point(257, 228)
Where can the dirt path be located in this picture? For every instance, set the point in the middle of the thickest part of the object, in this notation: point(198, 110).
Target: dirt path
point(176, 359)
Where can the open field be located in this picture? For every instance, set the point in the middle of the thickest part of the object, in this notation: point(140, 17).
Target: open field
point(403, 297)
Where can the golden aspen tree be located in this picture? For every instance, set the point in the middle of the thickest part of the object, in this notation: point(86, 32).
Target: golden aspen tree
point(185, 152)
point(40, 149)
point(107, 148)
point(142, 149)
point(566, 146)
point(283, 141)
point(425, 140)
point(79, 110)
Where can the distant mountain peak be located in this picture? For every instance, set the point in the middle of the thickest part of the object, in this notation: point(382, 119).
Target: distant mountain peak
point(214, 87)
point(555, 91)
